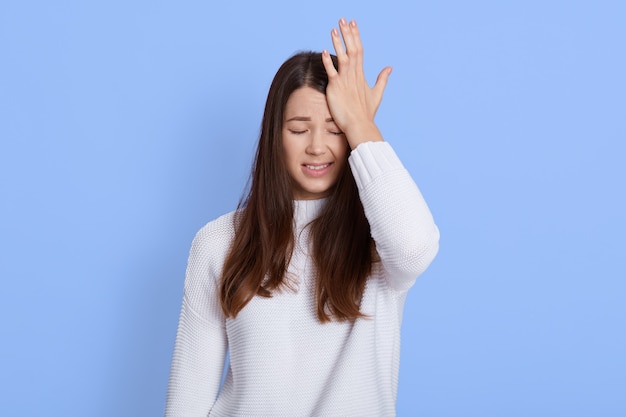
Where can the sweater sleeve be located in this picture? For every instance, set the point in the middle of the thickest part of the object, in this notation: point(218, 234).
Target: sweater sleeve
point(402, 226)
point(201, 344)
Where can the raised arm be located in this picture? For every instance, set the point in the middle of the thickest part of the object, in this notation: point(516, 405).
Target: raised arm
point(402, 226)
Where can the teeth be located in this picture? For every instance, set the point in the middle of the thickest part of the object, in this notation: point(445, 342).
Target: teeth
point(317, 167)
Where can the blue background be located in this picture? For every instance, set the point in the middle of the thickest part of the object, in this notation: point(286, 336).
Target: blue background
point(125, 126)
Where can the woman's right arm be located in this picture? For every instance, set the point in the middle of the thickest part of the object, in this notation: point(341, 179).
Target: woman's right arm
point(201, 344)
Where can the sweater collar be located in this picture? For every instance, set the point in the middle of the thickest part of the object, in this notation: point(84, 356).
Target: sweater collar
point(305, 211)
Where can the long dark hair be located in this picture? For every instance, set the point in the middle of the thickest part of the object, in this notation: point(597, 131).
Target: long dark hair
point(342, 248)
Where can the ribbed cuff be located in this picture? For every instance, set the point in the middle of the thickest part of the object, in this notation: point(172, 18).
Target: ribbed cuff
point(370, 159)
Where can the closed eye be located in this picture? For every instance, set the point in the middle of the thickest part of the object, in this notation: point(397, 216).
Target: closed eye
point(335, 132)
point(297, 132)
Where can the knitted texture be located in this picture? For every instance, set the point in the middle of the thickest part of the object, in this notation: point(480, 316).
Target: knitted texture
point(283, 361)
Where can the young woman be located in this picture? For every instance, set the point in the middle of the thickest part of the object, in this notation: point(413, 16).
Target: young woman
point(305, 283)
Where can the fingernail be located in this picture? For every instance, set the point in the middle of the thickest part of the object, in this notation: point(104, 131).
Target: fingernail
point(343, 21)
point(353, 23)
point(335, 32)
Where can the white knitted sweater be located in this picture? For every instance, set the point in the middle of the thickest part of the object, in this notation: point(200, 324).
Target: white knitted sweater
point(283, 361)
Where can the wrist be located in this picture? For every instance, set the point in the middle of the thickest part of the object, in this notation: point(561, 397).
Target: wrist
point(362, 132)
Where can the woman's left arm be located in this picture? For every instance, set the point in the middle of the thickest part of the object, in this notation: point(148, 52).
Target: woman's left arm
point(402, 226)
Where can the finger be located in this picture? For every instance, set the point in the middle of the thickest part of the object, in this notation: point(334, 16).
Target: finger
point(346, 34)
point(381, 82)
point(338, 45)
point(328, 64)
point(357, 46)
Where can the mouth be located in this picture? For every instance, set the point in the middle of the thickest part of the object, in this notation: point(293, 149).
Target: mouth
point(317, 167)
point(317, 170)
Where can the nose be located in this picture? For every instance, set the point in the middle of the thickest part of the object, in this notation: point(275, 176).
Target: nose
point(316, 145)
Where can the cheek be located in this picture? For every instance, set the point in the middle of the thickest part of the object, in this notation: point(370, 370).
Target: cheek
point(289, 150)
point(341, 150)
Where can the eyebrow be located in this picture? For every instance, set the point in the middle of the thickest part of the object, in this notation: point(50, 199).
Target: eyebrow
point(306, 119)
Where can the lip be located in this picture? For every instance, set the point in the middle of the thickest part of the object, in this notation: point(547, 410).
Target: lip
point(317, 170)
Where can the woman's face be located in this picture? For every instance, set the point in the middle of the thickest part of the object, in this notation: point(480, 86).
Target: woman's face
point(315, 149)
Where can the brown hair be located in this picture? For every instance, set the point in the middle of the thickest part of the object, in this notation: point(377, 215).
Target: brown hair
point(342, 248)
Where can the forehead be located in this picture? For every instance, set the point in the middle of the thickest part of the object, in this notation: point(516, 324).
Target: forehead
point(306, 102)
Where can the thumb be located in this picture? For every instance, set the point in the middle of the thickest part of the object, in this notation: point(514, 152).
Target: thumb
point(381, 81)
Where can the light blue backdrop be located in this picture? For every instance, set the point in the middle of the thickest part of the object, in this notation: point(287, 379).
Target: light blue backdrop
point(125, 126)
